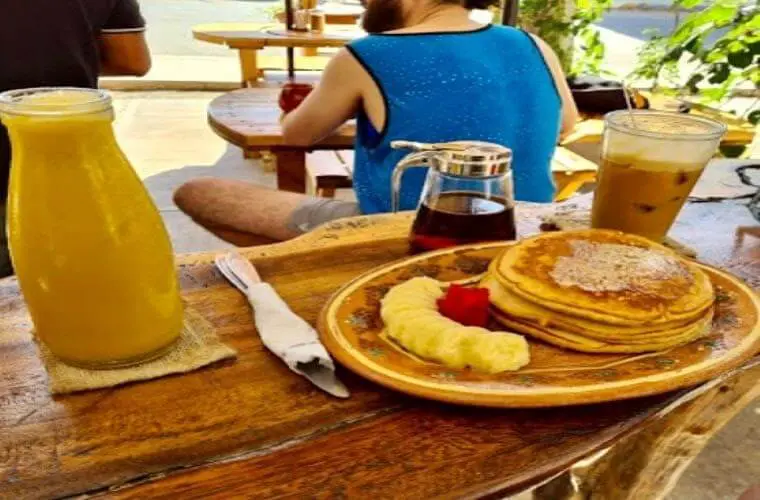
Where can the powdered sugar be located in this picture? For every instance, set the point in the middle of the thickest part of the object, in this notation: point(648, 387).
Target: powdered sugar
point(608, 267)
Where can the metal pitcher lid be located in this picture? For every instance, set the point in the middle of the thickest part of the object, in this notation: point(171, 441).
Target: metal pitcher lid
point(464, 158)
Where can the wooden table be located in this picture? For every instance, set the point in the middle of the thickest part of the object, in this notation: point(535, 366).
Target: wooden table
point(250, 119)
point(248, 39)
point(251, 428)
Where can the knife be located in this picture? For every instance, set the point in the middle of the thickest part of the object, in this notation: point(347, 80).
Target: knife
point(282, 331)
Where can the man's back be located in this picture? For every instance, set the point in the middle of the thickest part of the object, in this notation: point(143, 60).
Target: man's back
point(490, 84)
point(54, 42)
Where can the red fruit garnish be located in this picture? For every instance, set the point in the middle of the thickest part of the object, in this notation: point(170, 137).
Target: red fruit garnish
point(465, 305)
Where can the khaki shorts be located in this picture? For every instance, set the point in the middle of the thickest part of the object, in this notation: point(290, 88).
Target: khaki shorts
point(314, 212)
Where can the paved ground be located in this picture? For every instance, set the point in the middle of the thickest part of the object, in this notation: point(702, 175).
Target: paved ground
point(170, 22)
point(166, 137)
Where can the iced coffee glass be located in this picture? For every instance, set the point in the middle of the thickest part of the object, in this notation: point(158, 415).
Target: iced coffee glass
point(650, 163)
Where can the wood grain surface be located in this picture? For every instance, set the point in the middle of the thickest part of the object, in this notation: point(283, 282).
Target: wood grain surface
point(250, 427)
point(250, 118)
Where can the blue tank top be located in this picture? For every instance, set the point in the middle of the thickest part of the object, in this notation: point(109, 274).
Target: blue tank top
point(491, 84)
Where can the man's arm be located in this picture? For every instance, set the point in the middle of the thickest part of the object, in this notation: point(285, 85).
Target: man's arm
point(336, 99)
point(124, 54)
point(569, 109)
point(122, 45)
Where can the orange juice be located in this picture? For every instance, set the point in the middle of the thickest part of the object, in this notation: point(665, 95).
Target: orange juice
point(92, 256)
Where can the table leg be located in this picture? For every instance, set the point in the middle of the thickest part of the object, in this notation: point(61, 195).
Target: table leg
point(649, 463)
point(251, 154)
point(249, 67)
point(291, 171)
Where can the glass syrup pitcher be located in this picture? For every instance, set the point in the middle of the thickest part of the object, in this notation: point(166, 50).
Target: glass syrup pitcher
point(93, 259)
point(467, 196)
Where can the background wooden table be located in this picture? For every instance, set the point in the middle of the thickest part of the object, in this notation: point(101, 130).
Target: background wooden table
point(252, 428)
point(250, 119)
point(248, 39)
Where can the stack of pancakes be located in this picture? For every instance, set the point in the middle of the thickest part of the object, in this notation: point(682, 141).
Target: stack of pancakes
point(600, 291)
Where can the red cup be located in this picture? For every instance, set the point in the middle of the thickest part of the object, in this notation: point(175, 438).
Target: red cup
point(293, 94)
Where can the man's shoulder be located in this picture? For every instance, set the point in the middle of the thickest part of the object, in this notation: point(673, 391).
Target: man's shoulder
point(508, 31)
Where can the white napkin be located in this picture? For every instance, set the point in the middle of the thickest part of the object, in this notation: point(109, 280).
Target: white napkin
point(283, 332)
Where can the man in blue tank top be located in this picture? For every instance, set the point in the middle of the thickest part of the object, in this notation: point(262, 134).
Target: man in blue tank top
point(426, 73)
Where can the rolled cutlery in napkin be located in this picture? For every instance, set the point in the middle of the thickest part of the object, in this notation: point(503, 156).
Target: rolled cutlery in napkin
point(283, 332)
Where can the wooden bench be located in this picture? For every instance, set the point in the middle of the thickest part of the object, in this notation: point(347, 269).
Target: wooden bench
point(327, 171)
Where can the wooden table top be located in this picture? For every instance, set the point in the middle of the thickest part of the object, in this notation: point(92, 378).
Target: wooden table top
point(250, 118)
point(258, 36)
point(252, 428)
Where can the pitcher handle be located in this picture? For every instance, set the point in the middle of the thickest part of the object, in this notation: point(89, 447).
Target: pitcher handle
point(412, 160)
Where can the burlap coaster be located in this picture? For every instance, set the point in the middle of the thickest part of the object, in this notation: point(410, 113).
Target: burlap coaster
point(197, 346)
point(571, 217)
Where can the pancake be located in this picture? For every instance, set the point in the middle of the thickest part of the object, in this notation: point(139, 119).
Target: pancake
point(607, 277)
point(518, 308)
point(579, 343)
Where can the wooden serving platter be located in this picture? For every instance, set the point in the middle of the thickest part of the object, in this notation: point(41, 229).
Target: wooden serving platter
point(351, 328)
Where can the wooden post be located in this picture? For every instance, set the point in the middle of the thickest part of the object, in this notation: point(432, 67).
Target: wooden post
point(288, 27)
point(509, 12)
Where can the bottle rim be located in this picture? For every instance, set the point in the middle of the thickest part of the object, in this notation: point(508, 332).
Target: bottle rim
point(670, 126)
point(21, 102)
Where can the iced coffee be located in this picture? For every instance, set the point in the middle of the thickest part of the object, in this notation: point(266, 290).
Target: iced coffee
point(650, 163)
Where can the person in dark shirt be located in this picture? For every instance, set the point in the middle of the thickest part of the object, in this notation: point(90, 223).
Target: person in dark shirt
point(52, 43)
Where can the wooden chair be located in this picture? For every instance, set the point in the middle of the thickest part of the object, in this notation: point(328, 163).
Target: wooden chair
point(331, 170)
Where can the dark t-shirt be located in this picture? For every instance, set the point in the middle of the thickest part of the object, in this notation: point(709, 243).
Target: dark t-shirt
point(55, 43)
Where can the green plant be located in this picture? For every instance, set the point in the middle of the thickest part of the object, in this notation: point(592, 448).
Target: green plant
point(588, 60)
point(716, 67)
point(560, 23)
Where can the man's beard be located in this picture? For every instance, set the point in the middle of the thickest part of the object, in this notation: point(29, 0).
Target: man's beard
point(382, 15)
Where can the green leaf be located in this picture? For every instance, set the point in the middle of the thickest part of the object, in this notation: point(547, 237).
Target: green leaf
point(692, 83)
point(693, 45)
point(719, 73)
point(673, 55)
point(740, 59)
point(688, 4)
point(754, 117)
